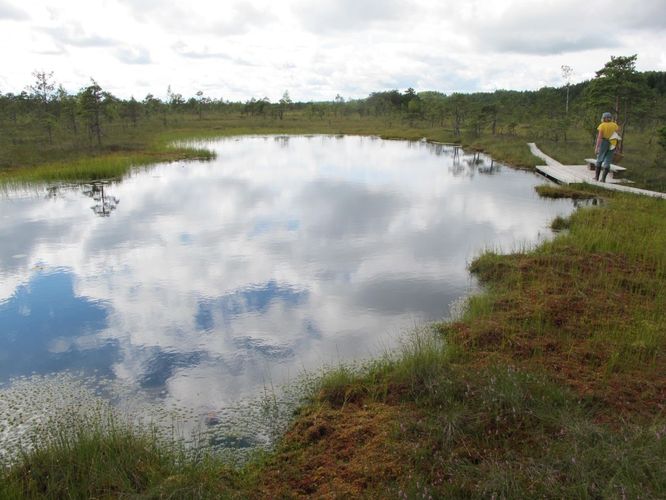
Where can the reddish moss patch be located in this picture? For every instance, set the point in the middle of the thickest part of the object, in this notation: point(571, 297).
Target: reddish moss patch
point(338, 452)
point(565, 314)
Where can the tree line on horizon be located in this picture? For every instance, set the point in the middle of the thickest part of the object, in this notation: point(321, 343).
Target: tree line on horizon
point(45, 113)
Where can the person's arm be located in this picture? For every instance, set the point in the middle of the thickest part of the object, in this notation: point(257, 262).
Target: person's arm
point(600, 136)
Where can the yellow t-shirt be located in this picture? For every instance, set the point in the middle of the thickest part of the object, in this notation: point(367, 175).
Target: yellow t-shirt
point(607, 129)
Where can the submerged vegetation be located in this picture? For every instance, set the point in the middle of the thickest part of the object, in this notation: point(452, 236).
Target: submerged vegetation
point(551, 383)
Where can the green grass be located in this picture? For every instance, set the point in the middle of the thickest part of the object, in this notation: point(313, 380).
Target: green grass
point(560, 223)
point(502, 433)
point(511, 149)
point(105, 457)
point(107, 166)
point(569, 191)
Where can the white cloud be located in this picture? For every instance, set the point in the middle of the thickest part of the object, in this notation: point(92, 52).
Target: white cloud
point(201, 16)
point(206, 52)
point(133, 55)
point(10, 12)
point(237, 50)
point(73, 34)
point(565, 26)
point(326, 16)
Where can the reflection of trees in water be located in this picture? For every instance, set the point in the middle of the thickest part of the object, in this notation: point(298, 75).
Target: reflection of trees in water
point(104, 203)
point(282, 140)
point(584, 203)
point(471, 164)
point(464, 164)
point(52, 192)
point(491, 169)
point(443, 149)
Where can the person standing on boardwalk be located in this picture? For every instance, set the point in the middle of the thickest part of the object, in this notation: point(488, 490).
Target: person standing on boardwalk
point(605, 145)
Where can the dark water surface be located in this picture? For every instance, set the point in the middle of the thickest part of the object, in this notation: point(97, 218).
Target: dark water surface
point(197, 283)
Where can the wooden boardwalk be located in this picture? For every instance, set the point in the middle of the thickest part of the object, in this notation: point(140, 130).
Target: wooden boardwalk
point(575, 174)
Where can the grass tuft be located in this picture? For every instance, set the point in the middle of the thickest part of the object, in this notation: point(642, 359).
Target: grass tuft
point(108, 166)
point(583, 192)
point(105, 457)
point(560, 223)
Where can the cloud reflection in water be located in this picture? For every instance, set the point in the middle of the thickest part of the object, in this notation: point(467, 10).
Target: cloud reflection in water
point(281, 254)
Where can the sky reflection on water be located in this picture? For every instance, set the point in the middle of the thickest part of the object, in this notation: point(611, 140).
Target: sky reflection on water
point(205, 281)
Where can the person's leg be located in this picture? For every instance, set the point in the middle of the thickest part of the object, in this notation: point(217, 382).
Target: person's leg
point(603, 159)
point(597, 168)
point(606, 163)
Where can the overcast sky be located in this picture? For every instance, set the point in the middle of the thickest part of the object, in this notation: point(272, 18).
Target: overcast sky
point(315, 49)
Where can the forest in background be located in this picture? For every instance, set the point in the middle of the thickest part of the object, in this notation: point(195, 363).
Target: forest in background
point(46, 124)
